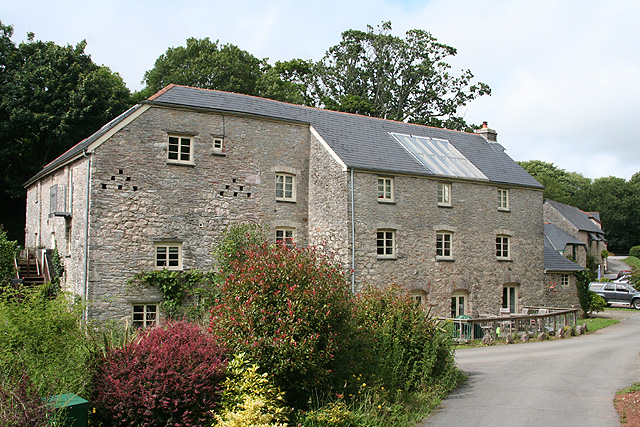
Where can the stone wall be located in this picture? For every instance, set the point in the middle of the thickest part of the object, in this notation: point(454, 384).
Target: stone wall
point(138, 198)
point(475, 221)
point(558, 295)
point(66, 233)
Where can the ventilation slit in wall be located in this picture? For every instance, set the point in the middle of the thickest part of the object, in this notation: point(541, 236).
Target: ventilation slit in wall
point(235, 194)
point(128, 178)
point(104, 186)
point(222, 193)
point(241, 187)
point(120, 171)
point(113, 178)
point(119, 187)
point(248, 194)
point(135, 188)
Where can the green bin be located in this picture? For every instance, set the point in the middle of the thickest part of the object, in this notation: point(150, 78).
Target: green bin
point(76, 409)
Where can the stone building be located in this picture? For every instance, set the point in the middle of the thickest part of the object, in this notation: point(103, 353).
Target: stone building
point(446, 214)
point(560, 282)
point(581, 226)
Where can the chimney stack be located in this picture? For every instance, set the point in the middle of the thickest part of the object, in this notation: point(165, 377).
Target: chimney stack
point(488, 134)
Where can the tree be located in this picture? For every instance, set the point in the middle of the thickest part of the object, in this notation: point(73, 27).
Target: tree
point(51, 98)
point(618, 202)
point(209, 65)
point(203, 63)
point(560, 185)
point(406, 79)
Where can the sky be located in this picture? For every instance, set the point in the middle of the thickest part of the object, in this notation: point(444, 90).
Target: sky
point(565, 75)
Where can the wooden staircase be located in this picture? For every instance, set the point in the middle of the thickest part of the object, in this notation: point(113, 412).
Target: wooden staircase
point(29, 269)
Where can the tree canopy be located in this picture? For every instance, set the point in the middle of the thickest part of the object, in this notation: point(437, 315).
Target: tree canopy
point(406, 79)
point(616, 199)
point(369, 72)
point(51, 97)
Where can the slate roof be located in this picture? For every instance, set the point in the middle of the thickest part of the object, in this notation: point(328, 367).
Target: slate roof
point(576, 217)
point(361, 142)
point(559, 239)
point(554, 262)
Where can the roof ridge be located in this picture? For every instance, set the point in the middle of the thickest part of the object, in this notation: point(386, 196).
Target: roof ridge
point(171, 86)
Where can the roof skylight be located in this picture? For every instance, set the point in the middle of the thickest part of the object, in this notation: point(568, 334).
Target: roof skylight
point(439, 156)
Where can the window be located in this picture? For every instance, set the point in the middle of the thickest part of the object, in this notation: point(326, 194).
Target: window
point(444, 194)
point(502, 247)
point(458, 304)
point(503, 199)
point(285, 187)
point(385, 189)
point(419, 297)
point(443, 244)
point(386, 244)
point(168, 256)
point(180, 149)
point(217, 145)
point(145, 315)
point(564, 280)
point(284, 235)
point(510, 298)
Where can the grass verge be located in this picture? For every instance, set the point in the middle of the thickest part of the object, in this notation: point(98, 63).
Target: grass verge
point(595, 323)
point(632, 261)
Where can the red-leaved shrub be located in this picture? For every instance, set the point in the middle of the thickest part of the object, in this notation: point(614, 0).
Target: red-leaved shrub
point(20, 403)
point(169, 376)
point(288, 309)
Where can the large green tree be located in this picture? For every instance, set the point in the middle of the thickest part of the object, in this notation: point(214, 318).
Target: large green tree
point(560, 185)
point(209, 65)
point(51, 97)
point(399, 78)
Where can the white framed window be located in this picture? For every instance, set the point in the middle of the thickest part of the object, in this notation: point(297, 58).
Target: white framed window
point(285, 187)
point(385, 189)
point(285, 235)
point(168, 256)
point(444, 244)
point(218, 145)
point(510, 298)
point(386, 243)
point(180, 149)
point(564, 280)
point(459, 303)
point(419, 297)
point(145, 315)
point(503, 199)
point(444, 194)
point(503, 247)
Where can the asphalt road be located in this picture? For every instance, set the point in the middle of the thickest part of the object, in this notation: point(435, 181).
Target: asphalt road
point(569, 382)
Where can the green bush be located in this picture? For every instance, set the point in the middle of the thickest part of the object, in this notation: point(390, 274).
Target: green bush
point(46, 337)
point(236, 240)
point(583, 278)
point(400, 347)
point(8, 251)
point(288, 309)
point(635, 251)
point(249, 399)
point(598, 303)
point(187, 294)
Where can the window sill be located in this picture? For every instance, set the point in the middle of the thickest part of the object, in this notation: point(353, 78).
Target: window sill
point(386, 202)
point(177, 163)
point(218, 153)
point(504, 210)
point(285, 200)
point(387, 258)
point(445, 259)
point(442, 205)
point(504, 260)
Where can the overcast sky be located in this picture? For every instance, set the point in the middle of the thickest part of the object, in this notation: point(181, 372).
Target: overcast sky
point(565, 75)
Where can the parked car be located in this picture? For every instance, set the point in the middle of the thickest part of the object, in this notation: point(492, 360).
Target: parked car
point(617, 292)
